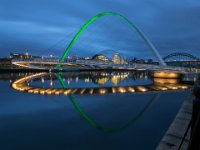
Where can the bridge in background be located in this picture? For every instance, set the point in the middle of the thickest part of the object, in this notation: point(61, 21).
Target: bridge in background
point(62, 65)
point(183, 60)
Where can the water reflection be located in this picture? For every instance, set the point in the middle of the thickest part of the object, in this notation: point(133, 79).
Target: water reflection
point(95, 83)
point(109, 129)
point(89, 109)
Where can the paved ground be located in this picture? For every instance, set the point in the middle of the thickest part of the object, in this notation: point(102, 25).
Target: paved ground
point(176, 131)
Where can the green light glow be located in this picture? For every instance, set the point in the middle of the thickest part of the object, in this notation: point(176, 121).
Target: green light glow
point(84, 27)
point(93, 123)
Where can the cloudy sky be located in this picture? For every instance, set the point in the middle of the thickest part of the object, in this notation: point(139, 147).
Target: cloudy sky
point(44, 27)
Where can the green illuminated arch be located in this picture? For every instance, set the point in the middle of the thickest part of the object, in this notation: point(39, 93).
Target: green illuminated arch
point(84, 27)
point(96, 125)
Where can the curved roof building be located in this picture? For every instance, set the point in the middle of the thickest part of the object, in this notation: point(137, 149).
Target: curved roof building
point(109, 56)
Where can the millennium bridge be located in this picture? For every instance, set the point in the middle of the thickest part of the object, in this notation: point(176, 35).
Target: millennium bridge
point(61, 65)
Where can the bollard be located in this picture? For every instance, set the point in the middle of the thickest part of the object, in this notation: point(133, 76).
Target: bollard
point(195, 122)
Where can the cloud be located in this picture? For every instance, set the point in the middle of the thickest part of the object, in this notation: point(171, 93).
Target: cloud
point(41, 25)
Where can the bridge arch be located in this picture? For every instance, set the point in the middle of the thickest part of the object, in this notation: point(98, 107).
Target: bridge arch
point(93, 19)
point(181, 54)
point(98, 126)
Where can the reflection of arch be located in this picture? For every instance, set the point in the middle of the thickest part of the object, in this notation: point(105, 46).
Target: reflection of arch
point(96, 125)
point(84, 27)
point(181, 54)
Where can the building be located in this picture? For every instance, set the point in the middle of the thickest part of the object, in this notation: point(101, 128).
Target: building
point(103, 59)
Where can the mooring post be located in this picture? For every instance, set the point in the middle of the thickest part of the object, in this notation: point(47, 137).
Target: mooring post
point(195, 124)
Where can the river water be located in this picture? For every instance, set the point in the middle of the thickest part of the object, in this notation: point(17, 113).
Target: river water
point(102, 112)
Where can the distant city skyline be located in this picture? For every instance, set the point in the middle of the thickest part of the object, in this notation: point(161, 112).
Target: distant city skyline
point(172, 26)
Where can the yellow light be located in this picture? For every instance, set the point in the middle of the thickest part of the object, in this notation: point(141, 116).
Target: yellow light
point(67, 91)
point(102, 91)
point(91, 91)
point(142, 88)
point(74, 91)
point(122, 90)
point(82, 91)
point(113, 90)
point(131, 89)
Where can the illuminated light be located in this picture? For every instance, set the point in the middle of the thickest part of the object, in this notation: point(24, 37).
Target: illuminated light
point(122, 90)
point(115, 80)
point(36, 91)
point(172, 87)
point(30, 91)
point(166, 81)
point(91, 91)
point(102, 91)
point(184, 87)
point(57, 92)
point(75, 90)
point(76, 79)
point(68, 81)
point(42, 79)
point(82, 91)
point(47, 90)
point(42, 91)
point(131, 89)
point(50, 91)
point(67, 91)
point(21, 89)
point(162, 88)
point(142, 88)
point(159, 88)
point(87, 80)
point(51, 83)
point(113, 90)
point(102, 81)
point(167, 75)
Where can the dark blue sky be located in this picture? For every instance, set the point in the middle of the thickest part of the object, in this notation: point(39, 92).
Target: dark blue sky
point(40, 25)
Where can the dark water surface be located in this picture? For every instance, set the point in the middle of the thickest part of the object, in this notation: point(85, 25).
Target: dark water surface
point(98, 121)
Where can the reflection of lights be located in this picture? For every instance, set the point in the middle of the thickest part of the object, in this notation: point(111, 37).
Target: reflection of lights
point(122, 89)
point(60, 91)
point(87, 80)
point(102, 81)
point(42, 91)
point(68, 81)
point(91, 91)
point(67, 91)
point(115, 80)
point(142, 88)
point(158, 88)
point(164, 81)
point(165, 74)
point(172, 87)
point(82, 91)
point(42, 79)
point(50, 91)
point(113, 90)
point(131, 89)
point(36, 91)
point(74, 91)
point(102, 91)
point(183, 87)
point(76, 79)
point(30, 91)
point(23, 85)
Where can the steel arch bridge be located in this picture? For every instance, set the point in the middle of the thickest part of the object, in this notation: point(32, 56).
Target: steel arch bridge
point(181, 54)
point(93, 19)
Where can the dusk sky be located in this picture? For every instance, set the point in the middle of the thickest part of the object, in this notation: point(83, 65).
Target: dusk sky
point(44, 27)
